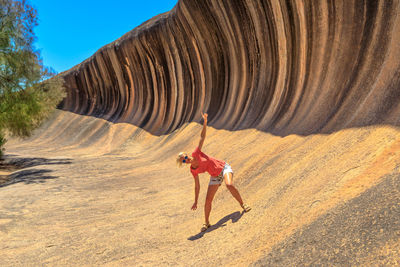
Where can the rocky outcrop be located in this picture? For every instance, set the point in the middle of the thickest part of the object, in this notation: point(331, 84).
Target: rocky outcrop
point(279, 66)
point(96, 192)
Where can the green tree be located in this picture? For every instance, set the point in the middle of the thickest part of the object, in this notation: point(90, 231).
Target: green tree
point(28, 90)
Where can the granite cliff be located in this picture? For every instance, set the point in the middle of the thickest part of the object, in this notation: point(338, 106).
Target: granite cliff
point(278, 66)
point(304, 103)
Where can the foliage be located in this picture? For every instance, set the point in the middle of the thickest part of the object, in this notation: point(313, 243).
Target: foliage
point(28, 90)
point(2, 142)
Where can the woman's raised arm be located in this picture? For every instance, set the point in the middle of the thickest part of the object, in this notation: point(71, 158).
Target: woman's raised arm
point(203, 132)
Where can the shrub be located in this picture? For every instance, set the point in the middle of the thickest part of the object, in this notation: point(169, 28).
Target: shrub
point(28, 90)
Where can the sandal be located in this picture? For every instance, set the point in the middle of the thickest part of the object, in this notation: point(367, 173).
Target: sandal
point(246, 208)
point(205, 227)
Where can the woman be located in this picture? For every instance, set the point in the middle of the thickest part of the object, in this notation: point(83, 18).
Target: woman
point(219, 171)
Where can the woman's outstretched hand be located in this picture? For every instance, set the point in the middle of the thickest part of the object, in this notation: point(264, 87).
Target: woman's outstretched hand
point(204, 115)
point(194, 207)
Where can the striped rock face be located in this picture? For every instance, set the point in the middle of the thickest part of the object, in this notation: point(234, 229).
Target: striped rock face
point(286, 67)
point(303, 100)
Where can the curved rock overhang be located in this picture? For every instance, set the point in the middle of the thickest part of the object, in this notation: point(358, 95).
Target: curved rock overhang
point(284, 67)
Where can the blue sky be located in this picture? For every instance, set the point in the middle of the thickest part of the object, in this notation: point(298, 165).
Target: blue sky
point(71, 31)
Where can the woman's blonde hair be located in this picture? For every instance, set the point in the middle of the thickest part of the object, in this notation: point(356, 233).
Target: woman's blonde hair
point(179, 158)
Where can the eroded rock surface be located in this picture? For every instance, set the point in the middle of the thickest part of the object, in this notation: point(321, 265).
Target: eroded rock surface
point(304, 102)
point(279, 66)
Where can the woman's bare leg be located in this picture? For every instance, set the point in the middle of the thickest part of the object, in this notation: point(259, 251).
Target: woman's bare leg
point(229, 184)
point(212, 189)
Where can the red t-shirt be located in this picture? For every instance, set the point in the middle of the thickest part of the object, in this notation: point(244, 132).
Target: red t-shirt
point(206, 164)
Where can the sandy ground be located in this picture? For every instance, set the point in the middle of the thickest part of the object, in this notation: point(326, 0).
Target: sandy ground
point(96, 193)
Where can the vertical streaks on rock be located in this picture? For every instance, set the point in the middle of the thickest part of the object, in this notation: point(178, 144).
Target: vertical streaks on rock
point(281, 66)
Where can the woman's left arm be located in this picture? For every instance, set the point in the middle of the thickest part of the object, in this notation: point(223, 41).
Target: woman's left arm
point(203, 132)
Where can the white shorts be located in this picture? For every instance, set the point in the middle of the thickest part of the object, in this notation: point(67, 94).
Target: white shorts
point(218, 179)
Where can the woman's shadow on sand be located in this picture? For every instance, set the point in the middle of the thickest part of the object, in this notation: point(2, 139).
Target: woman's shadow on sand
point(235, 216)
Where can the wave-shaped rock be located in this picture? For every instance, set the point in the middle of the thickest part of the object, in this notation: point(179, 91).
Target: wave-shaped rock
point(280, 66)
point(98, 191)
